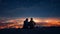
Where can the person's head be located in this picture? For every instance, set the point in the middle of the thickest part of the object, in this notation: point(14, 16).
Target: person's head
point(26, 19)
point(31, 19)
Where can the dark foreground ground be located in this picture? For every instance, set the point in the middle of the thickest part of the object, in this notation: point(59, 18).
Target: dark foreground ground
point(44, 30)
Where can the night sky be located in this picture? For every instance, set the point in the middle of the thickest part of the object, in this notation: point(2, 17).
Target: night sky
point(29, 8)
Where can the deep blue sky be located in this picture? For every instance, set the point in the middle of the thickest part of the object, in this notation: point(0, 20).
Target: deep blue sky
point(30, 8)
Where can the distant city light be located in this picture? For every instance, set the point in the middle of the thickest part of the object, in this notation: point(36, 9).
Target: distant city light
point(18, 23)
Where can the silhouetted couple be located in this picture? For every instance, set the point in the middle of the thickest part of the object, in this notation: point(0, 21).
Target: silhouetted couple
point(29, 25)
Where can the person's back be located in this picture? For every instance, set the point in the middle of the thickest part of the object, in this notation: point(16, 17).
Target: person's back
point(32, 23)
point(25, 25)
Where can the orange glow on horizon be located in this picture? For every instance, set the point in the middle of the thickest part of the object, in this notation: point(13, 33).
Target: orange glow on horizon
point(18, 23)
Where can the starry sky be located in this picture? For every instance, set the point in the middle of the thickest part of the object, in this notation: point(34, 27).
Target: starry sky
point(29, 8)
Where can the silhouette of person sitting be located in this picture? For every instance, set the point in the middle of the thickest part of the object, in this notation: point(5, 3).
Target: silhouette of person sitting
point(29, 25)
point(25, 25)
point(32, 23)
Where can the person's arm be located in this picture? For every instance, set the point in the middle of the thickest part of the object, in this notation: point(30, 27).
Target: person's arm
point(34, 23)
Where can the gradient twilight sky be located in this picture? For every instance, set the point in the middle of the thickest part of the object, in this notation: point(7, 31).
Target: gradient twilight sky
point(30, 8)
